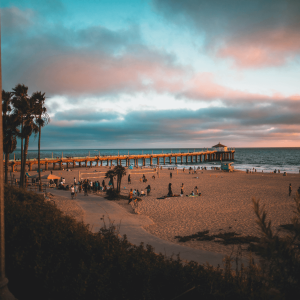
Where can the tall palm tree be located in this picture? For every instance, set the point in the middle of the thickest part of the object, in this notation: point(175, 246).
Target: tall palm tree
point(10, 130)
point(42, 118)
point(29, 127)
point(6, 109)
point(21, 103)
point(120, 171)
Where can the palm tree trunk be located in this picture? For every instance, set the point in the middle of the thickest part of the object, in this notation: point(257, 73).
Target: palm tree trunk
point(118, 184)
point(112, 181)
point(6, 166)
point(39, 158)
point(24, 160)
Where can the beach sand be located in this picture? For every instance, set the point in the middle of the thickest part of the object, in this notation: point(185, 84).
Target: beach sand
point(224, 206)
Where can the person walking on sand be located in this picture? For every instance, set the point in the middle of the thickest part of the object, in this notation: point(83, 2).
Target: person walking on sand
point(290, 189)
point(72, 191)
point(171, 175)
point(129, 179)
point(76, 191)
point(85, 188)
point(130, 196)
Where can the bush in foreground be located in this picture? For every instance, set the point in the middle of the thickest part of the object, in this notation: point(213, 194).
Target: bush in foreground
point(51, 256)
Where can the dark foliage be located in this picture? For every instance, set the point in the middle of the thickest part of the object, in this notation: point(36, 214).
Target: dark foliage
point(112, 194)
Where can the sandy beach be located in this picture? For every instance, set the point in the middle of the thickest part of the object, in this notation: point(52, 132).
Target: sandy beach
point(224, 206)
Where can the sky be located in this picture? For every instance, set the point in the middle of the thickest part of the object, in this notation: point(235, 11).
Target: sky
point(158, 73)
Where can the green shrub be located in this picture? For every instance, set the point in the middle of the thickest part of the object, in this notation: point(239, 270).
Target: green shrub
point(281, 255)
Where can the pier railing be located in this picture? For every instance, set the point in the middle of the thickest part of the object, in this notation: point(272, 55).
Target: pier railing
point(177, 158)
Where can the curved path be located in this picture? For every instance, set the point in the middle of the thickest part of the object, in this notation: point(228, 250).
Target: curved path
point(99, 210)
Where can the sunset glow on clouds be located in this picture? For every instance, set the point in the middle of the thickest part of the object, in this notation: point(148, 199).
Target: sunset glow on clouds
point(164, 73)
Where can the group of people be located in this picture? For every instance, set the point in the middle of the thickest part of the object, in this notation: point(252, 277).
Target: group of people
point(252, 171)
point(137, 193)
point(86, 186)
point(193, 193)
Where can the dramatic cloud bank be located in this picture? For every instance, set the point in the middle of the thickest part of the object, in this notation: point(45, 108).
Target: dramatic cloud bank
point(120, 82)
point(253, 33)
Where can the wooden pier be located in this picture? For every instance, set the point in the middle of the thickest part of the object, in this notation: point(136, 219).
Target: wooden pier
point(155, 159)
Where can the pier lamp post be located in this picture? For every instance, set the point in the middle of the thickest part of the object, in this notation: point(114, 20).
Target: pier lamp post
point(5, 294)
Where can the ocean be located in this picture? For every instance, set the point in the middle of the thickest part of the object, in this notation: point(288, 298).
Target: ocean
point(266, 159)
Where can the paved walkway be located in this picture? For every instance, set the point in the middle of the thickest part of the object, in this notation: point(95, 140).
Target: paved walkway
point(96, 207)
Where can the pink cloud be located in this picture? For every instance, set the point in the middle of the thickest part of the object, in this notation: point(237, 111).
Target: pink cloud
point(204, 87)
point(262, 49)
point(78, 74)
point(82, 74)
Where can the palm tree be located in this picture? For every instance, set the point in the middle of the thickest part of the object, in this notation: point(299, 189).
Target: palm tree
point(120, 172)
point(9, 141)
point(29, 127)
point(42, 118)
point(24, 111)
point(111, 174)
point(20, 102)
point(10, 130)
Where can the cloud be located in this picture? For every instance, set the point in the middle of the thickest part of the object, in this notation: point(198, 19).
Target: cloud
point(84, 114)
point(276, 122)
point(98, 73)
point(14, 19)
point(44, 7)
point(253, 33)
point(87, 61)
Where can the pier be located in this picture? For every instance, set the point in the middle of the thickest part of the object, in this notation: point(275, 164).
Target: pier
point(154, 159)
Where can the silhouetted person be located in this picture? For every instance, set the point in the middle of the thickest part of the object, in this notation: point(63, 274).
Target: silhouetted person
point(170, 190)
point(290, 189)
